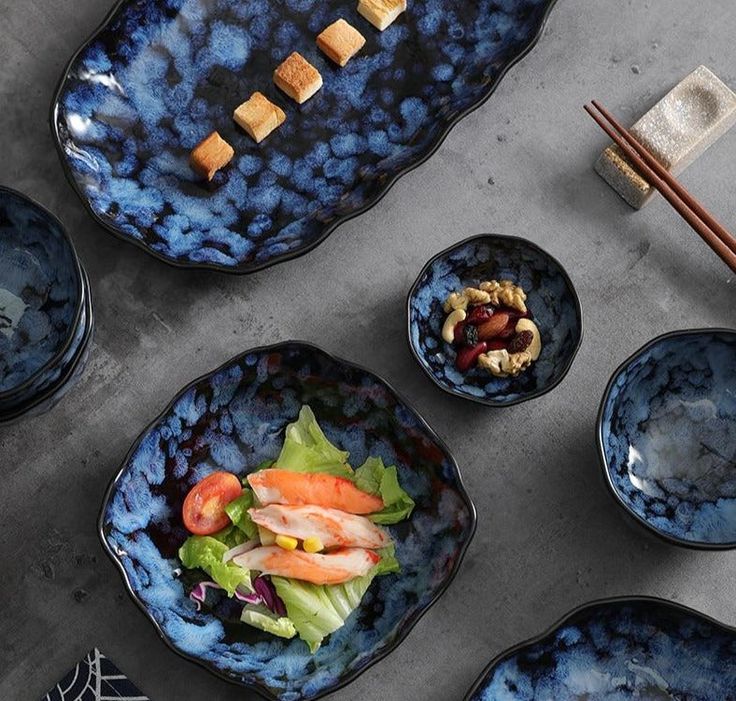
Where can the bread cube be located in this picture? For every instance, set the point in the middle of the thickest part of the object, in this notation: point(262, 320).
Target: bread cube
point(259, 116)
point(298, 78)
point(210, 155)
point(381, 13)
point(340, 42)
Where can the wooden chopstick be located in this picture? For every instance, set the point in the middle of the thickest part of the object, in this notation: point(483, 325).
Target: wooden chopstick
point(723, 251)
point(718, 229)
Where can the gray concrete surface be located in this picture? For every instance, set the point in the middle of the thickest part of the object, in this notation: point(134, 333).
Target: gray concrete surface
point(549, 536)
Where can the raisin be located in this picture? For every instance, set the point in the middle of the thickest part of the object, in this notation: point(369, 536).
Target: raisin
point(470, 335)
point(521, 342)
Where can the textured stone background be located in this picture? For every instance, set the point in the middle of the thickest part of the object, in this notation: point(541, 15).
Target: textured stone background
point(549, 536)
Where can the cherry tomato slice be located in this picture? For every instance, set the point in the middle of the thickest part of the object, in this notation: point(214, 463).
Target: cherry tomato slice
point(204, 506)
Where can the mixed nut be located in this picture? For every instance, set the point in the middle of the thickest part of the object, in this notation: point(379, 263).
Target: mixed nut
point(492, 328)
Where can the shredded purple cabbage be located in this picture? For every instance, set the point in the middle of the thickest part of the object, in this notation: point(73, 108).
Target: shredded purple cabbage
point(265, 589)
point(265, 595)
point(199, 593)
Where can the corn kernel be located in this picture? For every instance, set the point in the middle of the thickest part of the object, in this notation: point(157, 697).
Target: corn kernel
point(313, 545)
point(286, 542)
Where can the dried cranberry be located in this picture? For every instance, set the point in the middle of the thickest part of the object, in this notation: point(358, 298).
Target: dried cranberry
point(458, 331)
point(480, 314)
point(521, 342)
point(470, 335)
point(467, 356)
point(497, 344)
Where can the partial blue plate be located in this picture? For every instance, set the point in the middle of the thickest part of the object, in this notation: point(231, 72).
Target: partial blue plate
point(551, 298)
point(619, 650)
point(233, 419)
point(667, 437)
point(63, 378)
point(41, 295)
point(160, 75)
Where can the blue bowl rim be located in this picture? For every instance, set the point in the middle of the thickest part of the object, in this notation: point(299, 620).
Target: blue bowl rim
point(7, 419)
point(481, 400)
point(403, 634)
point(242, 269)
point(78, 274)
point(668, 538)
point(589, 606)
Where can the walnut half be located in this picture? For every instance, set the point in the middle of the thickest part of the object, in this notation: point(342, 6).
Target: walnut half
point(505, 293)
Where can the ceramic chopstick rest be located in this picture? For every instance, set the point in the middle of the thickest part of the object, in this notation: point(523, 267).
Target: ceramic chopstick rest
point(677, 130)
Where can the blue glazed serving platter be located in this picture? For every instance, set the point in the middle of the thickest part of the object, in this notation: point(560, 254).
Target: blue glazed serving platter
point(667, 437)
point(617, 650)
point(41, 295)
point(160, 75)
point(551, 298)
point(233, 419)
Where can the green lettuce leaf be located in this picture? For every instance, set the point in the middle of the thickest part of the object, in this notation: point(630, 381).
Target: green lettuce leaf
point(318, 610)
point(388, 564)
point(237, 510)
point(306, 449)
point(205, 552)
point(263, 619)
point(375, 478)
point(230, 536)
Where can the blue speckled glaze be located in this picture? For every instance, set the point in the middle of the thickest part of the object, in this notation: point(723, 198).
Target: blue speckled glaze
point(40, 293)
point(162, 74)
point(233, 419)
point(551, 298)
point(638, 648)
point(61, 378)
point(667, 436)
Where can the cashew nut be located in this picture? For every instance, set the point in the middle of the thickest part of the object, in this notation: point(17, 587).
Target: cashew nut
point(454, 318)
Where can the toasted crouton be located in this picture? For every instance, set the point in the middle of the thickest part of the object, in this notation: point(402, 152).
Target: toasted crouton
point(259, 116)
point(381, 13)
point(210, 155)
point(340, 42)
point(298, 78)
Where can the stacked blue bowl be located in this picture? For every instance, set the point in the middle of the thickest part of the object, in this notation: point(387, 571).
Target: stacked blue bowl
point(46, 320)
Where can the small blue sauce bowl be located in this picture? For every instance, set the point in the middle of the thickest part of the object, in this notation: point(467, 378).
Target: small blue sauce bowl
point(550, 296)
point(41, 298)
point(667, 437)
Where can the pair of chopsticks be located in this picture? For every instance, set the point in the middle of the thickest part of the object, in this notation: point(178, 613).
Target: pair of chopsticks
point(691, 210)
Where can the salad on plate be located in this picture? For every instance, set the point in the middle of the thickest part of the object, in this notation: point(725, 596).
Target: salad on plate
point(299, 540)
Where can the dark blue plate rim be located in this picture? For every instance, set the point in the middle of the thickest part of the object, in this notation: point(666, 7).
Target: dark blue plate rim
point(408, 626)
point(480, 400)
point(668, 538)
point(244, 269)
point(9, 394)
point(589, 606)
point(48, 393)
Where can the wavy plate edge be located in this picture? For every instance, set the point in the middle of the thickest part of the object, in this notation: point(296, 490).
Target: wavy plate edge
point(493, 404)
point(603, 460)
point(408, 626)
point(595, 603)
point(245, 269)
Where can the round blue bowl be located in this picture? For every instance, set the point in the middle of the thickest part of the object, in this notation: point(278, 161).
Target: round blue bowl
point(41, 295)
point(233, 418)
point(627, 648)
point(551, 298)
point(667, 437)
